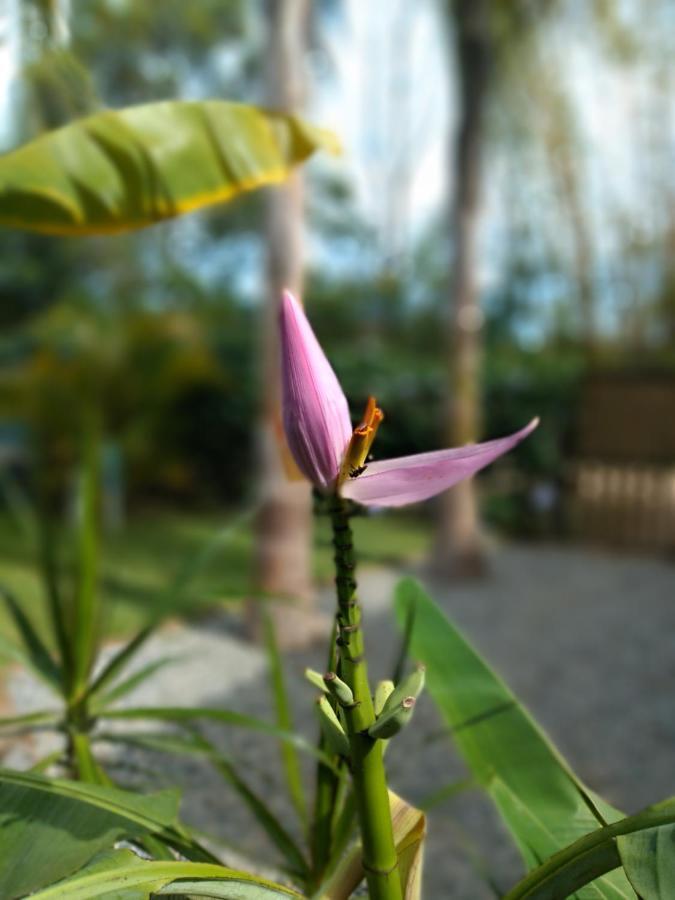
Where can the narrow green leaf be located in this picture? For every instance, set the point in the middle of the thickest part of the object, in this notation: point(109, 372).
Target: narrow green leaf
point(38, 532)
point(50, 827)
point(84, 626)
point(121, 170)
point(119, 660)
point(40, 659)
point(46, 762)
point(224, 716)
point(282, 706)
point(502, 744)
point(133, 681)
point(648, 858)
point(39, 717)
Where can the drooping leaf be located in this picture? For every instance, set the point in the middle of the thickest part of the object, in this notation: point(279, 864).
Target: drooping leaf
point(648, 859)
point(122, 875)
point(574, 868)
point(503, 745)
point(121, 170)
point(50, 827)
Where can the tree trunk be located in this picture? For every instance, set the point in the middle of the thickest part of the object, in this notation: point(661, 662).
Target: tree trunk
point(284, 524)
point(459, 546)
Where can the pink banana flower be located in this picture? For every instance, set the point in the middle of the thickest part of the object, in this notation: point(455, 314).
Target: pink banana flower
point(333, 456)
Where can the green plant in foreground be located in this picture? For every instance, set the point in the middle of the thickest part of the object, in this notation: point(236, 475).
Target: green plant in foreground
point(83, 839)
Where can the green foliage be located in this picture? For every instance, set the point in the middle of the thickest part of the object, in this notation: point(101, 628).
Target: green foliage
point(284, 719)
point(642, 843)
point(51, 827)
point(118, 171)
point(648, 856)
point(123, 876)
point(542, 803)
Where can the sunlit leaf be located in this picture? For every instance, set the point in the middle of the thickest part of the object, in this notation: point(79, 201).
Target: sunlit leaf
point(122, 875)
point(121, 170)
point(503, 745)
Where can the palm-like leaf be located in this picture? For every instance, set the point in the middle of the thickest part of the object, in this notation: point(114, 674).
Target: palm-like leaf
point(121, 170)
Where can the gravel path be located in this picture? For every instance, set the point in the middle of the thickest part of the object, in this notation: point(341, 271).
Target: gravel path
point(585, 640)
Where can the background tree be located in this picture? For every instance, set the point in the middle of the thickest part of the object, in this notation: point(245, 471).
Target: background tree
point(284, 522)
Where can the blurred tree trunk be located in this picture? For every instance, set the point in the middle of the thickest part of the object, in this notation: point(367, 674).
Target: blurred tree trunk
point(459, 547)
point(284, 523)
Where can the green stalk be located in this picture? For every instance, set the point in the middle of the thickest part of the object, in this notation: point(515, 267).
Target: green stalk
point(325, 798)
point(380, 861)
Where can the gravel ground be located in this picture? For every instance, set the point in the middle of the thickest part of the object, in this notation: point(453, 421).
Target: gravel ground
point(584, 639)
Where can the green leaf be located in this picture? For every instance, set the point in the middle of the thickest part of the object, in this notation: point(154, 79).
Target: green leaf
point(84, 625)
point(289, 755)
point(122, 875)
point(503, 746)
point(36, 654)
point(571, 869)
point(39, 717)
point(180, 714)
point(38, 532)
point(50, 827)
point(121, 170)
point(120, 659)
point(648, 859)
point(128, 684)
point(194, 744)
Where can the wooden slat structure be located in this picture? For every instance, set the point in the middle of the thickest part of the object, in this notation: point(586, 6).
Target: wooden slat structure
point(624, 475)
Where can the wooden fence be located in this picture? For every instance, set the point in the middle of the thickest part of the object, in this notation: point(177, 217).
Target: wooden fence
point(626, 505)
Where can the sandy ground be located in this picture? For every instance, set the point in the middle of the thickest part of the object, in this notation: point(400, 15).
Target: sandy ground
point(586, 640)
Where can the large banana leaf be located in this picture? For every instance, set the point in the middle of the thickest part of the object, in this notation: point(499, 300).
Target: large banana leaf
point(648, 856)
point(49, 828)
point(544, 805)
point(120, 170)
point(121, 875)
point(643, 843)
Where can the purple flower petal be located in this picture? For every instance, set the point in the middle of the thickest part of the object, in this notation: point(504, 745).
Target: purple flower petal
point(408, 479)
point(315, 410)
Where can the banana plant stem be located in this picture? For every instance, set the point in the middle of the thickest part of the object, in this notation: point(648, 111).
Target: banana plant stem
point(380, 861)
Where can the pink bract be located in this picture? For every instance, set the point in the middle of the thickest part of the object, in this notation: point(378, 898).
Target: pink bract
point(318, 430)
point(315, 410)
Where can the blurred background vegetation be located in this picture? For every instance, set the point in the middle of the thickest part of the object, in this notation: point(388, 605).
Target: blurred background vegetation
point(496, 243)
